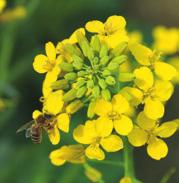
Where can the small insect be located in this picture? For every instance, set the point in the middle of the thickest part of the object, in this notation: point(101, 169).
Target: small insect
point(34, 128)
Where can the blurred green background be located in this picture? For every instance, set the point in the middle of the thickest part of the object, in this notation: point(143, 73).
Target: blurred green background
point(53, 20)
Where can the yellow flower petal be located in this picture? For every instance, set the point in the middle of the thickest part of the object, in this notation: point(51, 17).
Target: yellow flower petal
point(95, 26)
point(63, 122)
point(141, 53)
point(50, 51)
point(54, 135)
point(166, 130)
point(144, 122)
point(162, 90)
point(36, 114)
point(73, 38)
point(120, 104)
point(165, 71)
point(102, 107)
point(56, 157)
point(112, 143)
point(133, 95)
point(94, 152)
point(115, 23)
point(157, 149)
point(144, 78)
point(39, 64)
point(115, 39)
point(104, 126)
point(50, 77)
point(138, 137)
point(54, 102)
point(84, 134)
point(123, 125)
point(153, 109)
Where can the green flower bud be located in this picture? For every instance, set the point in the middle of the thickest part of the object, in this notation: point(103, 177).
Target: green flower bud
point(84, 44)
point(81, 92)
point(104, 60)
point(110, 80)
point(106, 73)
point(70, 95)
point(119, 59)
point(80, 82)
point(95, 60)
point(90, 84)
point(70, 76)
point(95, 43)
point(96, 91)
point(66, 67)
point(126, 77)
point(113, 66)
point(60, 84)
point(102, 83)
point(72, 49)
point(103, 50)
point(74, 106)
point(77, 65)
point(106, 94)
point(81, 73)
point(118, 50)
point(91, 107)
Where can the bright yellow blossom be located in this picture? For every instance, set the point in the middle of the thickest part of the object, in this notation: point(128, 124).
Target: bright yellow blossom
point(115, 111)
point(71, 153)
point(97, 133)
point(150, 132)
point(166, 40)
point(59, 122)
point(43, 63)
point(112, 31)
point(147, 57)
point(152, 94)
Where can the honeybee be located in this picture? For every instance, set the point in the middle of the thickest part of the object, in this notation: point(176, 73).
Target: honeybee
point(34, 128)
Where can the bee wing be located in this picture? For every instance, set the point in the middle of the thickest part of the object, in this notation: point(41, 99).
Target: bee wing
point(28, 133)
point(25, 126)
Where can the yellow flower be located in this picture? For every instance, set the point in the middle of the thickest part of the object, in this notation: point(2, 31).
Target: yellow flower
point(147, 57)
point(71, 153)
point(43, 63)
point(112, 31)
point(58, 122)
point(53, 103)
point(152, 94)
point(2, 5)
point(115, 111)
point(166, 40)
point(50, 78)
point(126, 180)
point(97, 133)
point(148, 131)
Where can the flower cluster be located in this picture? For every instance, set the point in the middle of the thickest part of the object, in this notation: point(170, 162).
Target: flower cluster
point(88, 71)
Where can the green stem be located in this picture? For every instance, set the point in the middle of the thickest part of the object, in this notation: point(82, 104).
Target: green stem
point(107, 162)
point(128, 160)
